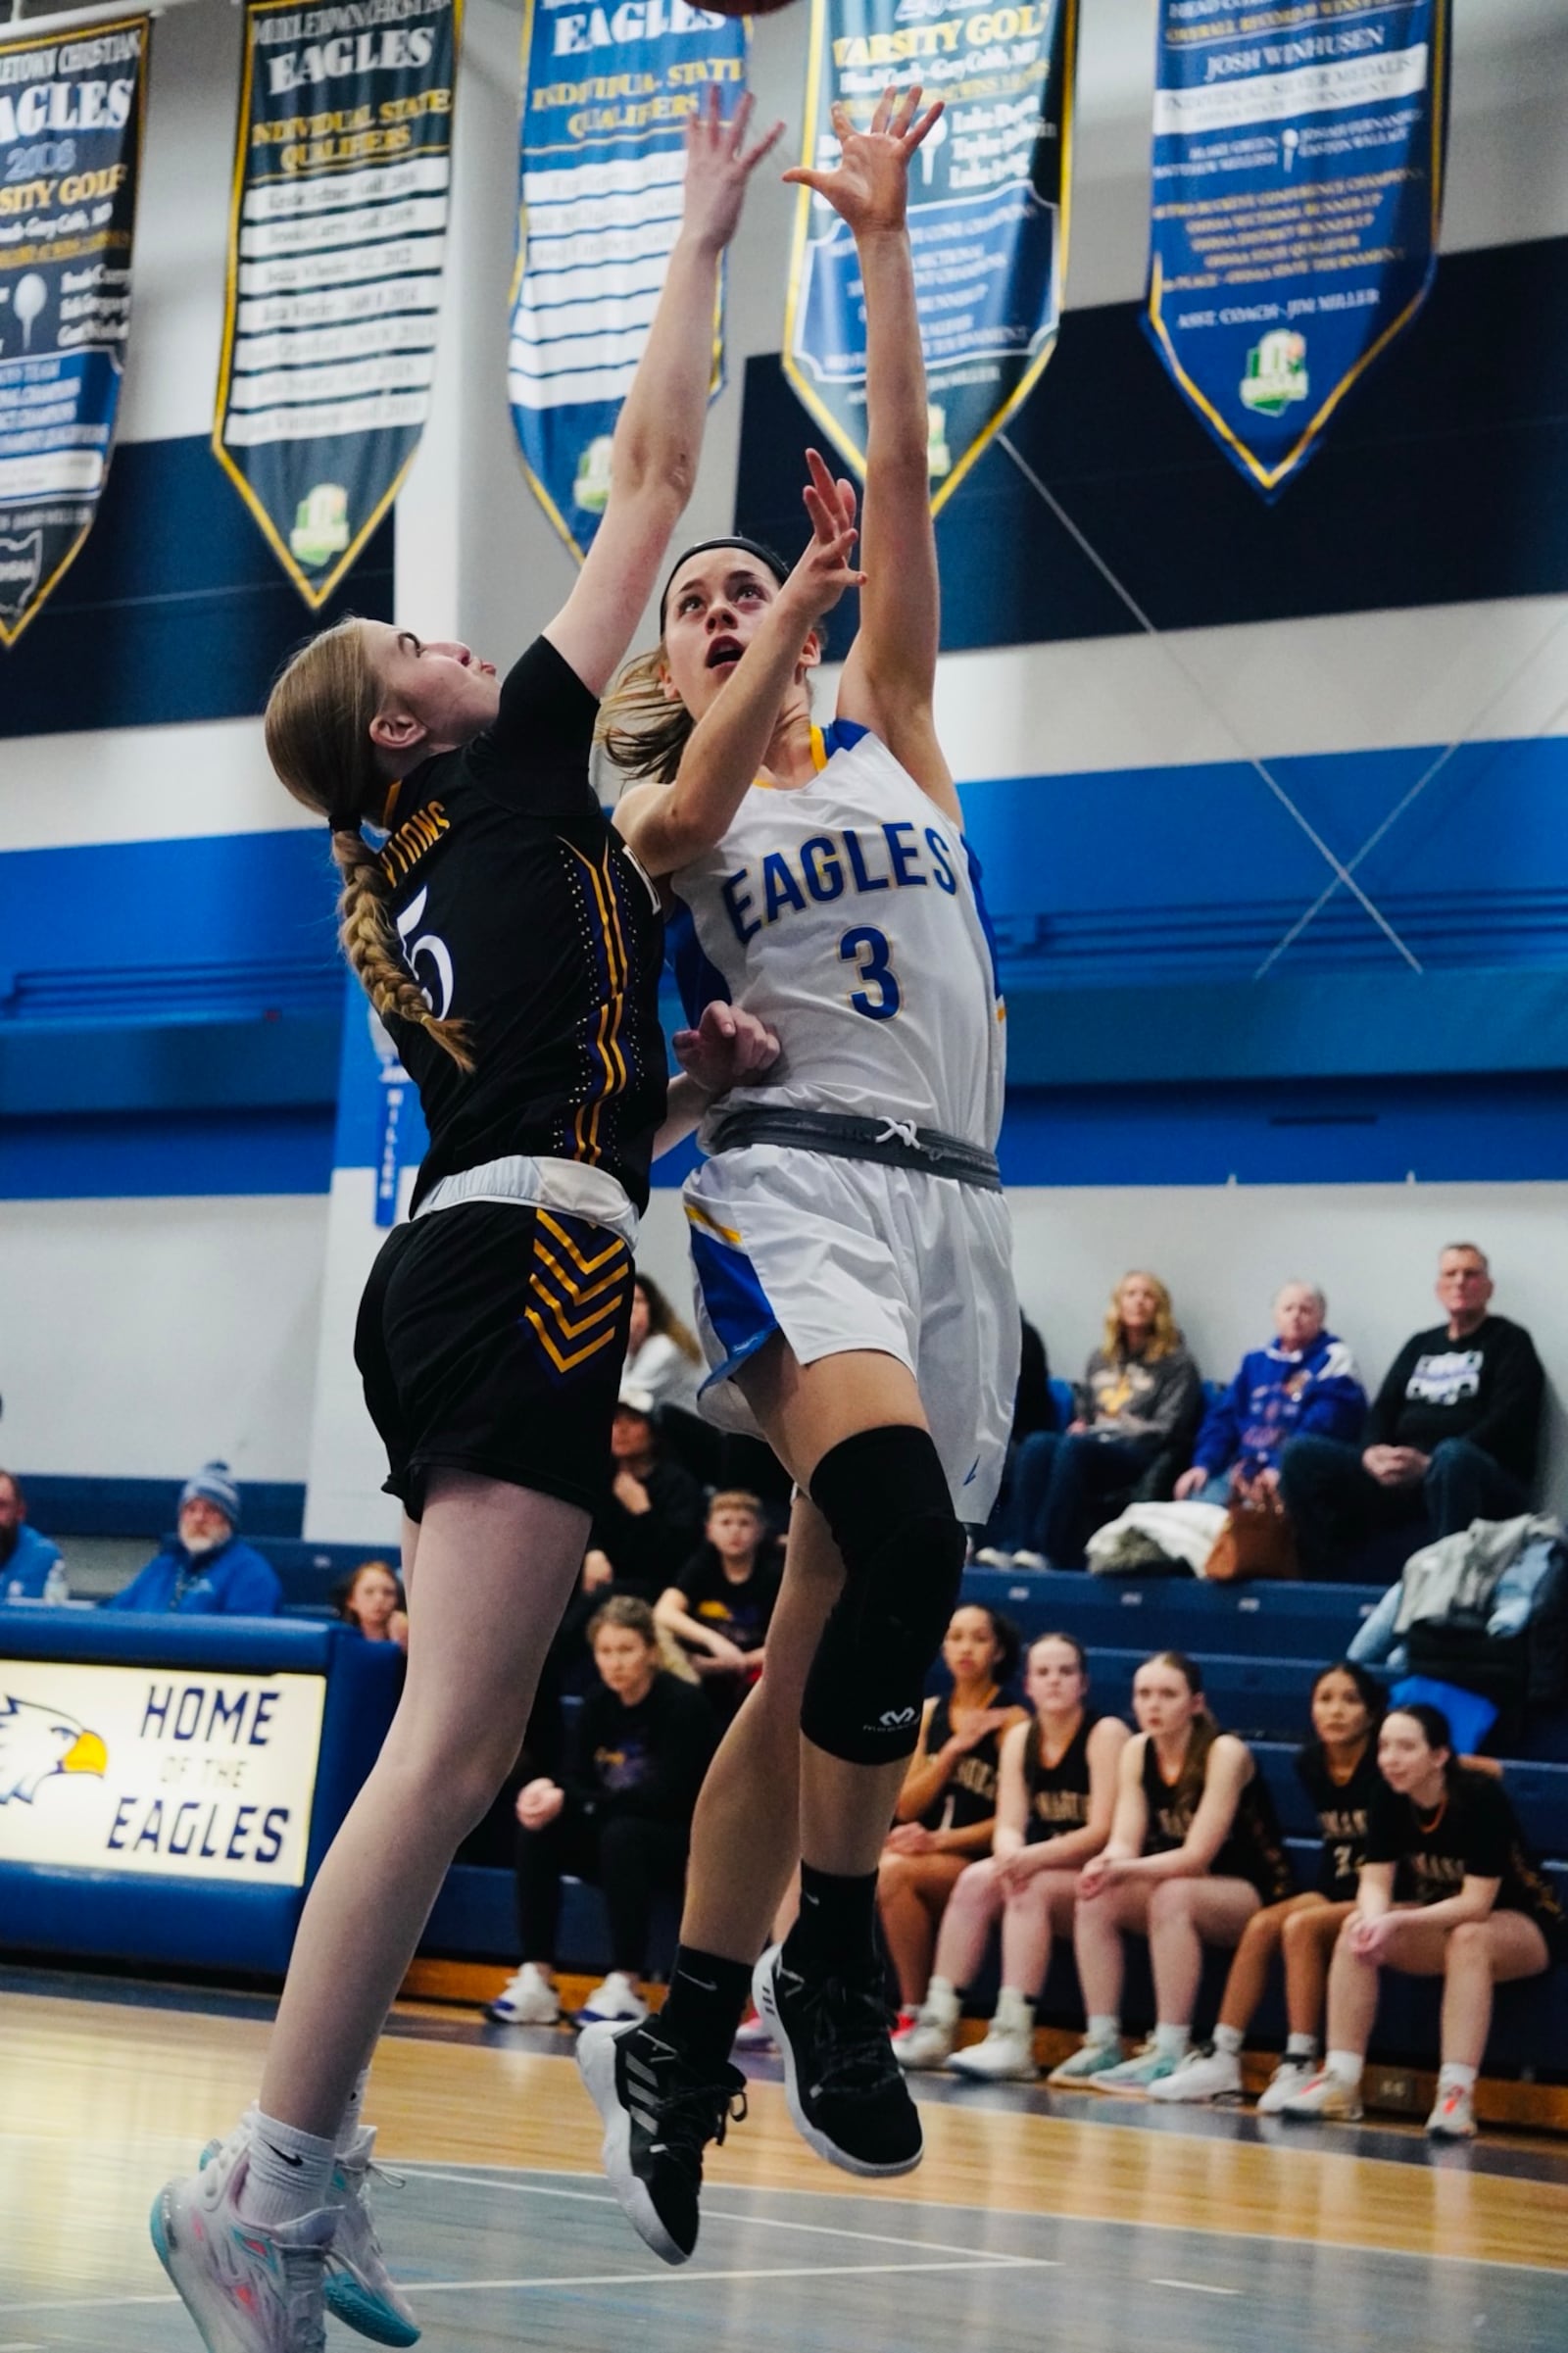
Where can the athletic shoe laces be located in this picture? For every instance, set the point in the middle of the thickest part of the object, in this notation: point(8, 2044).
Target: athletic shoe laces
point(846, 2022)
point(692, 2114)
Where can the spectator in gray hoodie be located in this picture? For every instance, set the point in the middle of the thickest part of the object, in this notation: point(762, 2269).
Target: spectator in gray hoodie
point(1140, 1398)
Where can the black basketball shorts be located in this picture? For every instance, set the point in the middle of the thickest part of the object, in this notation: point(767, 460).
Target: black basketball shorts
point(492, 1338)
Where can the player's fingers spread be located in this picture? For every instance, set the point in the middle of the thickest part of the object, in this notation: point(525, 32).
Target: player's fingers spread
point(904, 114)
point(884, 109)
point(932, 116)
point(840, 116)
point(738, 121)
point(765, 146)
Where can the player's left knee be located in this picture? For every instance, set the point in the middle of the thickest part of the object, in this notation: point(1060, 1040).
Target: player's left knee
point(884, 1495)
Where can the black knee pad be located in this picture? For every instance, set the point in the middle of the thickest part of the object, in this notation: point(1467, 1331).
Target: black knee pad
point(884, 1495)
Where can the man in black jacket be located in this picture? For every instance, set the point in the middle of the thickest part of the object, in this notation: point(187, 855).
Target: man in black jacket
point(1451, 1436)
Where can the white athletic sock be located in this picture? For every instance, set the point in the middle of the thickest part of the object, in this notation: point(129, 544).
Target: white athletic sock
point(348, 2130)
point(1344, 2067)
point(1015, 2012)
point(1228, 2041)
point(1102, 2027)
point(942, 1996)
point(1171, 2042)
point(1301, 2046)
point(286, 2176)
point(1454, 2076)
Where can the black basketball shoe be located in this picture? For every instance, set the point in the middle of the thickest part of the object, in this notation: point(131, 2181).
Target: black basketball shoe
point(845, 2089)
point(660, 2115)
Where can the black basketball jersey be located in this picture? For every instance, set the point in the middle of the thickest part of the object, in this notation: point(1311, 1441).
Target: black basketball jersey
point(1341, 1807)
point(1058, 1793)
point(522, 913)
point(1254, 1850)
point(970, 1794)
point(1474, 1833)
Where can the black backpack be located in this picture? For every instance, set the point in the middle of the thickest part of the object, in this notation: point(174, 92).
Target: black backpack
point(1517, 1672)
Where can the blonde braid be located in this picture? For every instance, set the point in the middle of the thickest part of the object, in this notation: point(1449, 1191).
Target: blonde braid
point(318, 731)
point(371, 943)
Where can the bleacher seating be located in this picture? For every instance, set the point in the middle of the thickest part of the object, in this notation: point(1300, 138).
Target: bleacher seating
point(1258, 1647)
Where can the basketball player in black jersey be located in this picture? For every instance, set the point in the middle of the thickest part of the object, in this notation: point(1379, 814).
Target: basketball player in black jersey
point(1194, 1850)
point(1449, 1889)
point(512, 946)
point(1056, 1794)
point(1339, 1770)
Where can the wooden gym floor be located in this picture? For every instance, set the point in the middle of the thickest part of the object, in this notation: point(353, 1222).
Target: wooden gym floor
point(1105, 2226)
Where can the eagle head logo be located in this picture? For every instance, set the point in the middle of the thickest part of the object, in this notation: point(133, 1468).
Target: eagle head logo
point(37, 1743)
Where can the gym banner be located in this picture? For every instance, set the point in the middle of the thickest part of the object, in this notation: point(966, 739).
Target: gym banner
point(337, 237)
point(1297, 199)
point(71, 129)
point(606, 96)
point(988, 215)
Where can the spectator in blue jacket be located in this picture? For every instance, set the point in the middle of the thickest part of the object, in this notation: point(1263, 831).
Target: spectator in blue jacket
point(31, 1567)
point(204, 1566)
point(1304, 1379)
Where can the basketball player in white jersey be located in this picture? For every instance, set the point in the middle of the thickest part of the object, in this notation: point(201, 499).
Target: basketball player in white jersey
point(850, 1238)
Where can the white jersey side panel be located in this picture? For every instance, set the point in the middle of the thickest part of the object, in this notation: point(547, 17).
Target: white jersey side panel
point(845, 913)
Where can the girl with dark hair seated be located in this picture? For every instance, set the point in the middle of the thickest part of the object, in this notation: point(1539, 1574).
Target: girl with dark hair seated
point(1195, 1850)
point(371, 1599)
point(947, 1808)
point(1339, 1768)
point(1449, 1889)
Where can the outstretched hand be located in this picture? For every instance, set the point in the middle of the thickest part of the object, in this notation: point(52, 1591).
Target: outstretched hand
point(718, 167)
point(825, 569)
point(869, 185)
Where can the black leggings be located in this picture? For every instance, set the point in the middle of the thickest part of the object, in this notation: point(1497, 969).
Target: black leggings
point(630, 1860)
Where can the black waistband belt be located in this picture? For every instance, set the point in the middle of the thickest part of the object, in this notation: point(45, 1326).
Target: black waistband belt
point(894, 1143)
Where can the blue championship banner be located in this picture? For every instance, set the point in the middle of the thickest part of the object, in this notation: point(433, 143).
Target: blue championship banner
point(1298, 155)
point(337, 237)
point(71, 128)
point(606, 97)
point(988, 215)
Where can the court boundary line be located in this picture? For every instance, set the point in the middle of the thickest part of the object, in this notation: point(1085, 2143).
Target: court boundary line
point(497, 2176)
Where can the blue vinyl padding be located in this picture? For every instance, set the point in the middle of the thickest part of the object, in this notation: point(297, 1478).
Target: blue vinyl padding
point(1289, 1620)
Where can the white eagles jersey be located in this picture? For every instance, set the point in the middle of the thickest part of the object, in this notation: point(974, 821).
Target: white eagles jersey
point(846, 913)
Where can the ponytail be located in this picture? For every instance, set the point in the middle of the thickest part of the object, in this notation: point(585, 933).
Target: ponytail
point(318, 732)
point(642, 732)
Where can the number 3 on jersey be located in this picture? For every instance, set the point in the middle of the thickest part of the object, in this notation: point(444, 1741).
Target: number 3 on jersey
point(868, 950)
point(433, 953)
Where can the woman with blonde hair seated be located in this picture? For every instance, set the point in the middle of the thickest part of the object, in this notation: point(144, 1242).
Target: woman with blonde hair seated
point(1140, 1398)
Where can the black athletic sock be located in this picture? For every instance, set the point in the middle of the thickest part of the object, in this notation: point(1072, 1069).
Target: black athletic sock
point(703, 2006)
point(837, 1925)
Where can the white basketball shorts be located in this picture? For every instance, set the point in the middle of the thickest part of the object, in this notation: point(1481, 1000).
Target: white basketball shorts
point(844, 1255)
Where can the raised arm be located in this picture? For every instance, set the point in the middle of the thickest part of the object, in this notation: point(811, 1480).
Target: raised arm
point(658, 434)
point(890, 672)
point(666, 825)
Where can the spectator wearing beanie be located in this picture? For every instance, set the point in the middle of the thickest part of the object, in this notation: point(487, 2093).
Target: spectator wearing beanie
point(205, 1567)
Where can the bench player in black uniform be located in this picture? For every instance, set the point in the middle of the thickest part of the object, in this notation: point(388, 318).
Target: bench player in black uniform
point(1449, 1889)
point(1339, 1770)
point(946, 1809)
point(1194, 1851)
point(513, 945)
point(1056, 1794)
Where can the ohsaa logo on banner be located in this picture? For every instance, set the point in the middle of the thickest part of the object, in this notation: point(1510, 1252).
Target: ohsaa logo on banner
point(337, 245)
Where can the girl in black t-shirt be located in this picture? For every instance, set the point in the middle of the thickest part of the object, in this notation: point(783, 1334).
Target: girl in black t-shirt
point(1193, 1852)
point(1055, 1796)
point(1338, 1771)
point(1449, 1889)
point(513, 947)
point(619, 1816)
point(947, 1808)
